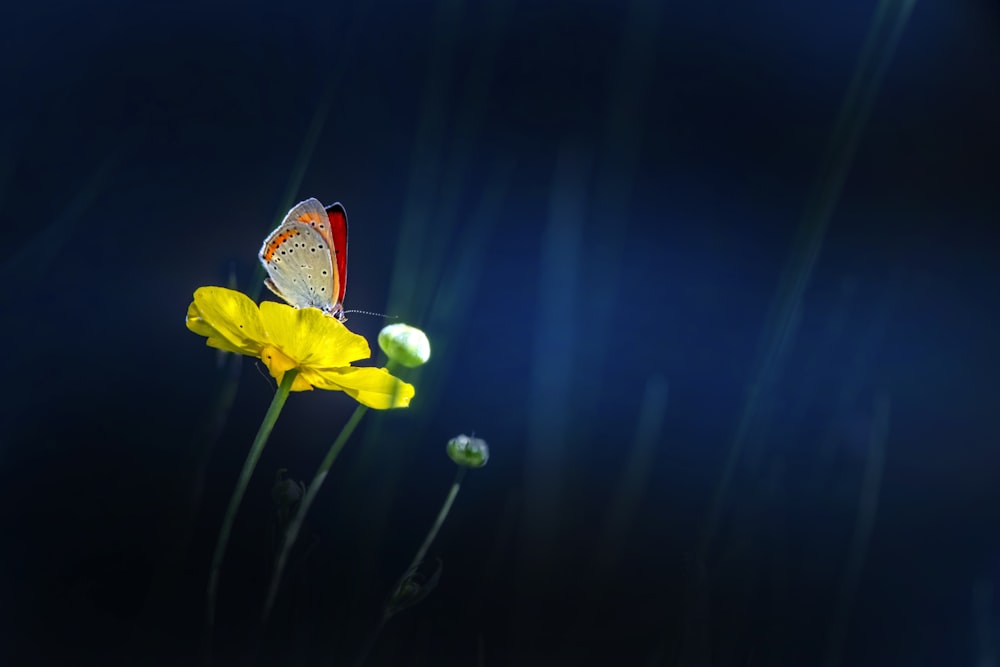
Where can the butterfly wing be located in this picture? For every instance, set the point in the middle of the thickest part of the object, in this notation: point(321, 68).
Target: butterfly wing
point(299, 265)
point(337, 218)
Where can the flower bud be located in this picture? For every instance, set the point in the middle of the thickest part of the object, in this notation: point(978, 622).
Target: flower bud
point(468, 452)
point(286, 492)
point(405, 344)
point(416, 584)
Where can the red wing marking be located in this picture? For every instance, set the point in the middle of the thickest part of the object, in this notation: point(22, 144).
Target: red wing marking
point(338, 236)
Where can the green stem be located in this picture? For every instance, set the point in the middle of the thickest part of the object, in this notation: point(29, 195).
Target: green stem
point(421, 554)
point(300, 514)
point(442, 515)
point(280, 396)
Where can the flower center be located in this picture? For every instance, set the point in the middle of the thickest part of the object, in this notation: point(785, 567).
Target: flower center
point(276, 361)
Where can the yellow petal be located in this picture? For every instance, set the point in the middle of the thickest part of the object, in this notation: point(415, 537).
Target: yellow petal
point(198, 325)
point(311, 337)
point(278, 363)
point(374, 387)
point(233, 318)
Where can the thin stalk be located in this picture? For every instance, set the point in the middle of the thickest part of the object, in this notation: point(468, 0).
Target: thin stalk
point(280, 396)
point(293, 528)
point(442, 515)
point(417, 559)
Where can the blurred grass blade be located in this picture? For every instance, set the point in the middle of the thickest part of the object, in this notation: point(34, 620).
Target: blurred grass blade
point(34, 259)
point(867, 511)
point(615, 175)
point(887, 27)
point(636, 473)
point(551, 389)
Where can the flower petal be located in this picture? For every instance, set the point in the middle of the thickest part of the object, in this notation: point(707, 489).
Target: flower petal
point(311, 337)
point(198, 325)
point(374, 387)
point(278, 363)
point(229, 319)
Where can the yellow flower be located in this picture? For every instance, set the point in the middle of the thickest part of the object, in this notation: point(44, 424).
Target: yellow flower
point(320, 346)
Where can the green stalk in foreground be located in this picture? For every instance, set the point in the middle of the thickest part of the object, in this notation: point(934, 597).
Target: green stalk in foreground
point(292, 533)
point(270, 418)
point(467, 452)
point(442, 515)
point(403, 345)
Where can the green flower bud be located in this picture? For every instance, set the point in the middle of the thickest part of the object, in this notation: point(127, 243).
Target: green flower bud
point(468, 452)
point(415, 585)
point(405, 344)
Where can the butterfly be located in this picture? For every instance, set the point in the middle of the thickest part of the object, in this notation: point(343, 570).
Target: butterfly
point(306, 257)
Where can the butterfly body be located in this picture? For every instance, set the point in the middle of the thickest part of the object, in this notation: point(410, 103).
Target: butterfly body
point(306, 257)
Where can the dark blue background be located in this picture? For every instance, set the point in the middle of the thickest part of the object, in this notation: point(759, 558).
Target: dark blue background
point(652, 164)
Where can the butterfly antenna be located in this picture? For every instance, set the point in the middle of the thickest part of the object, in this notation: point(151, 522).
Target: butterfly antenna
point(368, 312)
